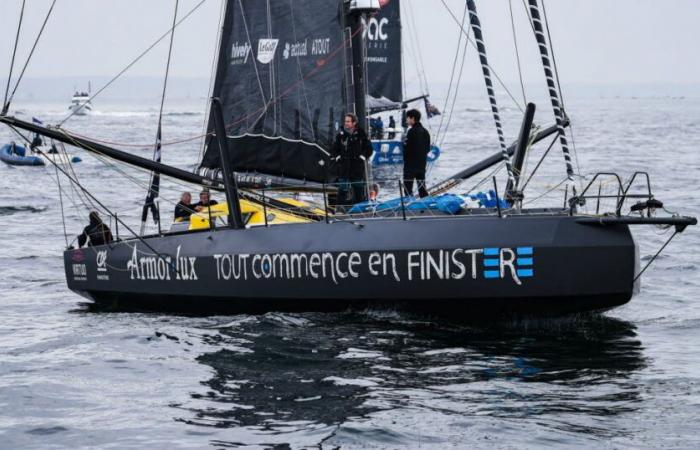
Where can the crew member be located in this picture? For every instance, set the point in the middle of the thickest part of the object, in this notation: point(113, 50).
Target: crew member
point(183, 209)
point(36, 143)
point(97, 233)
point(205, 201)
point(392, 127)
point(351, 150)
point(415, 154)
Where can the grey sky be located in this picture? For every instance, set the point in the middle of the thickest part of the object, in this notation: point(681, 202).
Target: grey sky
point(596, 41)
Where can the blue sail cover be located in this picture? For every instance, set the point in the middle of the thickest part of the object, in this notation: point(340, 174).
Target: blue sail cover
point(280, 77)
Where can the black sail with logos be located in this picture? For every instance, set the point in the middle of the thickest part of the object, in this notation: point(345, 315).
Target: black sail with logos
point(384, 69)
point(280, 79)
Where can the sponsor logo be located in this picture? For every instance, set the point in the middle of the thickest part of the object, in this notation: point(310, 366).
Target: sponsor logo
point(162, 268)
point(101, 261)
point(424, 265)
point(295, 50)
point(499, 261)
point(267, 49)
point(80, 272)
point(240, 53)
point(375, 29)
point(320, 47)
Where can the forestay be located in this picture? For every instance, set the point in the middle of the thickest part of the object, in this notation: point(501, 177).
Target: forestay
point(281, 82)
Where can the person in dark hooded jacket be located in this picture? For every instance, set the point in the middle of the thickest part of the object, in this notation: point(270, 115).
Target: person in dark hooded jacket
point(415, 154)
point(97, 233)
point(351, 150)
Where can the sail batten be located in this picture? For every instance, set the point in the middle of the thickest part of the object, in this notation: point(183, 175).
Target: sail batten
point(280, 67)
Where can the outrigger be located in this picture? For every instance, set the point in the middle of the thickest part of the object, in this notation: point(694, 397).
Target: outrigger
point(263, 250)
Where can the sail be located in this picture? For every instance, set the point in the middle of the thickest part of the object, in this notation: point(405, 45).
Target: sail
point(384, 71)
point(280, 78)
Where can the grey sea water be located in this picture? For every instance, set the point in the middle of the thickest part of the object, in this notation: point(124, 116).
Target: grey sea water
point(71, 377)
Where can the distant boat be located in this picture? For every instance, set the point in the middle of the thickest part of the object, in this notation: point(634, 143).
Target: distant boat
point(80, 104)
point(17, 155)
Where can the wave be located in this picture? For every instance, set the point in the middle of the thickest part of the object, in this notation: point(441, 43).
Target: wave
point(182, 113)
point(9, 210)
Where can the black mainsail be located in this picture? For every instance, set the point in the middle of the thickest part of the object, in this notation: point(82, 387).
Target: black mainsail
point(280, 78)
point(384, 61)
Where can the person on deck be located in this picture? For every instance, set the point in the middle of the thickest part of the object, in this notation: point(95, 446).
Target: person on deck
point(97, 233)
point(392, 127)
point(415, 154)
point(205, 201)
point(351, 151)
point(184, 209)
point(36, 143)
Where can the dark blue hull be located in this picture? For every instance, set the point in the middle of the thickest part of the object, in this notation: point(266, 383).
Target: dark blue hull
point(467, 266)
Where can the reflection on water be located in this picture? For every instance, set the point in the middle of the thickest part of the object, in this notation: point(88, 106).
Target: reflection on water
point(285, 375)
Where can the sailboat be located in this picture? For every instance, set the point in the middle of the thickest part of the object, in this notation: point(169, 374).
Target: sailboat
point(284, 80)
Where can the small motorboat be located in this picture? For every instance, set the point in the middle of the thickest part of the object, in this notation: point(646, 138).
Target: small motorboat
point(80, 104)
point(16, 155)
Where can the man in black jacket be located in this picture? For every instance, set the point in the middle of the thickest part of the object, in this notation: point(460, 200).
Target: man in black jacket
point(415, 154)
point(351, 151)
point(184, 208)
point(97, 233)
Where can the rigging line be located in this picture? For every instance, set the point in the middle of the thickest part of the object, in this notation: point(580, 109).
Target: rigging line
point(5, 104)
point(530, 201)
point(551, 49)
point(154, 184)
point(495, 73)
point(454, 97)
point(553, 93)
point(656, 255)
point(517, 52)
point(212, 81)
point(414, 36)
point(133, 62)
point(454, 66)
point(60, 198)
point(143, 241)
point(301, 75)
point(255, 65)
point(481, 47)
point(294, 86)
point(539, 163)
point(167, 66)
point(31, 53)
point(26, 139)
point(561, 95)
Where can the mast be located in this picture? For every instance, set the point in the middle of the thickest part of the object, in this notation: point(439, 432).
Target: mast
point(357, 11)
point(553, 92)
point(234, 206)
point(481, 48)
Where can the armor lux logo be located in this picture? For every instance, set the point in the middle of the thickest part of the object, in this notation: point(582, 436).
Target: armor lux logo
point(240, 53)
point(266, 50)
point(162, 268)
point(101, 261)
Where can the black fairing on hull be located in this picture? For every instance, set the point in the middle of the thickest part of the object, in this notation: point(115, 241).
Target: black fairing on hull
point(541, 265)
